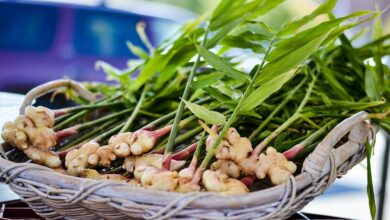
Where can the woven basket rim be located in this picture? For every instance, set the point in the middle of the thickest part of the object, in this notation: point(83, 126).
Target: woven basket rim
point(116, 190)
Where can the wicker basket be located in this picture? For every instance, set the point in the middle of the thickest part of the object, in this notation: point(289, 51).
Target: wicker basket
point(56, 196)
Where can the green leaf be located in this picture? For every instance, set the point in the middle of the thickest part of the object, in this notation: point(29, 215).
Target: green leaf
point(345, 105)
point(234, 94)
point(154, 65)
point(340, 30)
point(223, 7)
point(236, 10)
point(222, 65)
point(179, 59)
point(265, 90)
point(240, 42)
point(138, 51)
point(333, 82)
point(371, 82)
point(322, 9)
point(114, 73)
point(211, 117)
point(279, 66)
point(212, 42)
point(263, 7)
point(251, 114)
point(370, 185)
point(216, 94)
point(207, 80)
point(288, 45)
point(377, 33)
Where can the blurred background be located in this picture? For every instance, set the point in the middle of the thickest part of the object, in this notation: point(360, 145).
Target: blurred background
point(51, 39)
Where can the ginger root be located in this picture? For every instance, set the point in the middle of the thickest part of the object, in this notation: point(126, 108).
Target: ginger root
point(216, 182)
point(147, 170)
point(14, 136)
point(42, 137)
point(185, 183)
point(275, 165)
point(121, 144)
point(164, 181)
point(103, 156)
point(44, 157)
point(33, 128)
point(142, 142)
point(41, 116)
point(154, 160)
point(76, 160)
point(227, 167)
point(232, 147)
point(93, 174)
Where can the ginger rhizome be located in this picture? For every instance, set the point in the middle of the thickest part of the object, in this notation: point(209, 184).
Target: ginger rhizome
point(33, 134)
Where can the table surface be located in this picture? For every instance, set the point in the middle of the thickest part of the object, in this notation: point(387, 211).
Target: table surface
point(9, 109)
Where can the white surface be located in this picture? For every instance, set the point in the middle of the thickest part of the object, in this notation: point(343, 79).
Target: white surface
point(9, 109)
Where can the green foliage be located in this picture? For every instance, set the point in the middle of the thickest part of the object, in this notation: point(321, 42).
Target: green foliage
point(211, 117)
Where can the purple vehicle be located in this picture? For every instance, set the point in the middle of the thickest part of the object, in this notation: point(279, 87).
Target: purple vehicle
point(42, 41)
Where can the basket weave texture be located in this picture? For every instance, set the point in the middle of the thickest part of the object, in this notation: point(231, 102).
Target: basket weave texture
point(56, 196)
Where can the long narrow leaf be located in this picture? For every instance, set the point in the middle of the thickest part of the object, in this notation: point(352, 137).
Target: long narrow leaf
point(221, 65)
point(370, 185)
point(322, 9)
point(264, 91)
point(203, 113)
point(275, 68)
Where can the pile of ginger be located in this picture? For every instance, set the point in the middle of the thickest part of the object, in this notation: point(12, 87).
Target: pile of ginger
point(33, 134)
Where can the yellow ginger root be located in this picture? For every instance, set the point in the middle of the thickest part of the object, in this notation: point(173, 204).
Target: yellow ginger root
point(93, 174)
point(142, 142)
point(164, 181)
point(154, 160)
point(216, 182)
point(76, 160)
point(232, 147)
point(249, 165)
point(121, 144)
point(44, 157)
point(147, 170)
point(275, 165)
point(22, 133)
point(185, 183)
point(185, 186)
point(14, 136)
point(145, 174)
point(227, 167)
point(41, 116)
point(42, 137)
point(103, 156)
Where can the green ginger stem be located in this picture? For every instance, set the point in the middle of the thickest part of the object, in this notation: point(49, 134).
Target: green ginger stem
point(179, 113)
point(137, 108)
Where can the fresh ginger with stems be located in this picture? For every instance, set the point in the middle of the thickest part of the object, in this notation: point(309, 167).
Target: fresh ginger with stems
point(121, 144)
point(275, 165)
point(216, 182)
point(103, 156)
point(76, 160)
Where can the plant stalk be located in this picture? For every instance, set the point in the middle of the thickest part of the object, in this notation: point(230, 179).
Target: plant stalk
point(286, 124)
point(276, 110)
point(134, 114)
point(179, 113)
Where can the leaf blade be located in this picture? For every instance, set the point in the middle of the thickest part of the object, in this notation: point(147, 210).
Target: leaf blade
point(277, 67)
point(203, 113)
point(264, 91)
point(221, 65)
